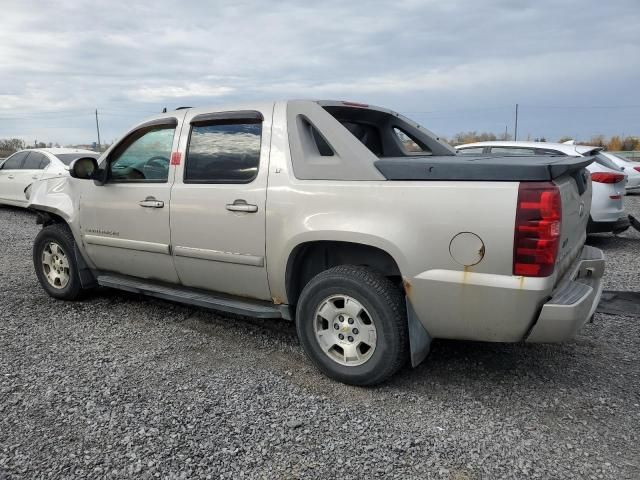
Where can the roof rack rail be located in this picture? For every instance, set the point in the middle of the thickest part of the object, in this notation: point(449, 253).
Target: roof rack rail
point(182, 108)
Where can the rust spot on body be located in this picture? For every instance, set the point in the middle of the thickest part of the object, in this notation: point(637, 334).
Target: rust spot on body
point(465, 275)
point(277, 301)
point(407, 287)
point(521, 283)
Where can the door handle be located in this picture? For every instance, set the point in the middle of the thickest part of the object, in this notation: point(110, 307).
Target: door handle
point(151, 202)
point(11, 177)
point(242, 206)
point(35, 177)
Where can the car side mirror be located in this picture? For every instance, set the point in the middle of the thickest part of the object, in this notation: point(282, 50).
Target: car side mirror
point(83, 168)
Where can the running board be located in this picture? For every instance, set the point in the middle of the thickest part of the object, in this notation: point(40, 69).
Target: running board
point(199, 298)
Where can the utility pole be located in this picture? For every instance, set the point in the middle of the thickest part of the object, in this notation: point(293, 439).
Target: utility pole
point(515, 130)
point(98, 129)
point(506, 133)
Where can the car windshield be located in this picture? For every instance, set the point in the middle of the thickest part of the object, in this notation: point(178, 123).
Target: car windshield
point(67, 158)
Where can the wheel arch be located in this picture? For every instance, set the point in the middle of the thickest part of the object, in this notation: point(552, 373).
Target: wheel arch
point(86, 270)
point(46, 218)
point(310, 258)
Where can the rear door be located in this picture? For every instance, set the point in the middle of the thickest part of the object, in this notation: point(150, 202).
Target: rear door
point(125, 222)
point(218, 202)
point(10, 171)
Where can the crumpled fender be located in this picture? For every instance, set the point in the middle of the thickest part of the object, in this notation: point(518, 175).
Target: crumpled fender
point(54, 195)
point(59, 196)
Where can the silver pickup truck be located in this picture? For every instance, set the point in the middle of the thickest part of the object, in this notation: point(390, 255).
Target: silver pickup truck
point(357, 223)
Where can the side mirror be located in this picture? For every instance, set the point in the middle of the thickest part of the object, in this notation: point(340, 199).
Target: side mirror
point(83, 168)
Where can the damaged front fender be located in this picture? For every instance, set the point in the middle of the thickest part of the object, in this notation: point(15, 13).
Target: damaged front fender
point(55, 196)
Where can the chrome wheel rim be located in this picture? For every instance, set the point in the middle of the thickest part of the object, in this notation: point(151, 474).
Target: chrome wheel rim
point(55, 265)
point(345, 331)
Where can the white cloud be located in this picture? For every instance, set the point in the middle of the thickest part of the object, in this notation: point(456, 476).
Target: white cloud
point(169, 92)
point(127, 58)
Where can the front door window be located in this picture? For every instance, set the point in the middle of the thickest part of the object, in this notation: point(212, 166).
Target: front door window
point(143, 158)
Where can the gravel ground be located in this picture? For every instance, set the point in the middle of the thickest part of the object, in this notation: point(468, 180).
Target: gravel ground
point(124, 386)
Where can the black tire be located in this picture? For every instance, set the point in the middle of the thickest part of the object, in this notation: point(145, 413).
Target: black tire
point(385, 305)
point(60, 235)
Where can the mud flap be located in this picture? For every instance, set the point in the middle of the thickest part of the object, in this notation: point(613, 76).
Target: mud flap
point(87, 278)
point(634, 222)
point(419, 338)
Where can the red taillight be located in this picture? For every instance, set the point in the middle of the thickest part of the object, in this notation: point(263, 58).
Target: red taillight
point(537, 229)
point(606, 177)
point(637, 169)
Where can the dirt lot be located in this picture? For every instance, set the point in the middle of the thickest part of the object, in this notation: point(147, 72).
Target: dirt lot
point(125, 386)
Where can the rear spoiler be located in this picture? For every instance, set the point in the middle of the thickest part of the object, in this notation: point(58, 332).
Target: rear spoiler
point(482, 168)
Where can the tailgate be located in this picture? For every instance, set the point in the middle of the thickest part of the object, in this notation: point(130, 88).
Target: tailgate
point(575, 192)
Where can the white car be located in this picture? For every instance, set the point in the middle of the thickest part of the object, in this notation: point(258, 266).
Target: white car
point(607, 208)
point(23, 168)
point(632, 169)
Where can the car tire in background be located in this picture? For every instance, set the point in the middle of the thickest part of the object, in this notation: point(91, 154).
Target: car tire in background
point(55, 263)
point(352, 323)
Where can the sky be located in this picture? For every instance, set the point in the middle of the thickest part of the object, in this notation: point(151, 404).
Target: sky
point(573, 66)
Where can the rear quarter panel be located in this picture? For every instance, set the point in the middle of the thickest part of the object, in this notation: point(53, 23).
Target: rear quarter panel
point(414, 222)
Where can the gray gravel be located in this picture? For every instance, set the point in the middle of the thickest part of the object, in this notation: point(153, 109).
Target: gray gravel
point(124, 386)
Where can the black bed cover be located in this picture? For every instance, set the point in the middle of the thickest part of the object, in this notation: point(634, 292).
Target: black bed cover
point(538, 168)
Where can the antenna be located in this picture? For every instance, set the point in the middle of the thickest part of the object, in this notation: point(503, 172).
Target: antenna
point(98, 129)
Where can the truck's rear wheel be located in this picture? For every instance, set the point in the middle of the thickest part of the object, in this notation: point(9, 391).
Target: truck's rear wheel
point(351, 322)
point(55, 263)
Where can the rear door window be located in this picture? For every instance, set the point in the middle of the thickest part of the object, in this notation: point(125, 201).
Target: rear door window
point(15, 161)
point(224, 152)
point(34, 161)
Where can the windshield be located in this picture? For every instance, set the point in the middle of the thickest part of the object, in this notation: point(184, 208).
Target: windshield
point(67, 158)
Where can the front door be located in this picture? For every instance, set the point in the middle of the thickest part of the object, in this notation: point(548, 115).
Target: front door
point(218, 202)
point(125, 222)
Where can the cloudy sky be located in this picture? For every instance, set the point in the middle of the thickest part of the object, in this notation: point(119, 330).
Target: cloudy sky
point(572, 65)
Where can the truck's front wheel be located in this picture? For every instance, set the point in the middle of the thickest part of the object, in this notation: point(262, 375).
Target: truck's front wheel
point(351, 322)
point(55, 263)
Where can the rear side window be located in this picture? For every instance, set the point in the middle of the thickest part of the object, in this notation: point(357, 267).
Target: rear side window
point(369, 135)
point(223, 152)
point(409, 144)
point(35, 161)
point(14, 162)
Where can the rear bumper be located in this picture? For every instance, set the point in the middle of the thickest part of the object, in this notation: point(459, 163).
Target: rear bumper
point(617, 226)
point(573, 301)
